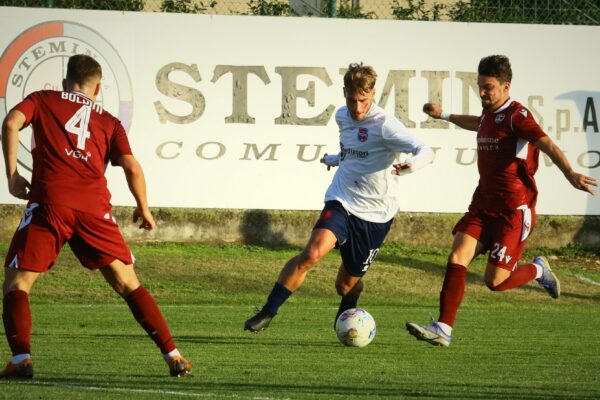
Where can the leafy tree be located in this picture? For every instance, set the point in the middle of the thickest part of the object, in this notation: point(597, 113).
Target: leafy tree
point(183, 6)
point(121, 5)
point(580, 12)
point(22, 3)
point(585, 12)
point(348, 10)
point(417, 10)
point(269, 7)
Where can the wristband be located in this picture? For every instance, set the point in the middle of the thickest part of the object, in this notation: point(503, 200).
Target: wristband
point(445, 116)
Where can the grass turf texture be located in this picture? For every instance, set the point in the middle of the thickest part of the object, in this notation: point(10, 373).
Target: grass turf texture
point(514, 345)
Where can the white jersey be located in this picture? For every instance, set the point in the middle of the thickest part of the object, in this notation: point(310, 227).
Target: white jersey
point(363, 182)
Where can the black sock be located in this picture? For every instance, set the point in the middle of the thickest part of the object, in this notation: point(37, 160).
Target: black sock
point(279, 294)
point(348, 302)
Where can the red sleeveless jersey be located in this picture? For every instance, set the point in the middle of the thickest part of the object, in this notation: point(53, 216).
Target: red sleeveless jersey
point(73, 140)
point(506, 158)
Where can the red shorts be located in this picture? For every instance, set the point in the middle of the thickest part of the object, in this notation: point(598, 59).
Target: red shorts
point(44, 229)
point(503, 234)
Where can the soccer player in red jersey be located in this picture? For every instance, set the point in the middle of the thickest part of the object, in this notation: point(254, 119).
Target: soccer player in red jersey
point(502, 211)
point(74, 139)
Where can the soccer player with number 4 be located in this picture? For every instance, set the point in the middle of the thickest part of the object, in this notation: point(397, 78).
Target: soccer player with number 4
point(361, 201)
point(73, 140)
point(502, 211)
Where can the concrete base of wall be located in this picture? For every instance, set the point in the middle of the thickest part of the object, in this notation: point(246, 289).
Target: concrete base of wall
point(281, 228)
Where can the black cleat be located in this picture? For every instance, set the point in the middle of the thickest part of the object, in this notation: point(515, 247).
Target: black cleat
point(259, 322)
point(345, 304)
point(22, 370)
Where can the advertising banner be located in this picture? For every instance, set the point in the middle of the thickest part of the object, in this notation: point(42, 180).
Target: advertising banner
point(236, 111)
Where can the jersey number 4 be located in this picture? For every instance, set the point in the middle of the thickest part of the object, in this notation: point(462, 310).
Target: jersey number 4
point(78, 125)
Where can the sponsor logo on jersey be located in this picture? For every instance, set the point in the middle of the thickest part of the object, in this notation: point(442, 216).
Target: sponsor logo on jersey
point(499, 118)
point(326, 214)
point(36, 60)
point(523, 112)
point(363, 134)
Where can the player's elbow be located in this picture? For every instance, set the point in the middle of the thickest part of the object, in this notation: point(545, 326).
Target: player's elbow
point(131, 166)
point(13, 122)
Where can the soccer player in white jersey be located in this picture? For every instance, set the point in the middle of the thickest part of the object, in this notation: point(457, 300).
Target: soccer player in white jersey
point(361, 201)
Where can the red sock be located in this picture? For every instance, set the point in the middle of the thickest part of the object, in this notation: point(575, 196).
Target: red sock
point(453, 291)
point(146, 312)
point(519, 277)
point(16, 316)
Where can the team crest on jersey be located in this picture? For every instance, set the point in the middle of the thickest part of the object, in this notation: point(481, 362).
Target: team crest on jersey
point(363, 134)
point(36, 59)
point(499, 118)
point(523, 112)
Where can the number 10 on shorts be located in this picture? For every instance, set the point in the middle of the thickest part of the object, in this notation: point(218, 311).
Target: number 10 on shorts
point(367, 263)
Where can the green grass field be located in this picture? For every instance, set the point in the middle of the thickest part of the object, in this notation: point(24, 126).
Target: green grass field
point(514, 345)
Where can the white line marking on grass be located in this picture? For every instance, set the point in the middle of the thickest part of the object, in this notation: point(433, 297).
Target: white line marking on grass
point(145, 391)
point(124, 305)
point(587, 280)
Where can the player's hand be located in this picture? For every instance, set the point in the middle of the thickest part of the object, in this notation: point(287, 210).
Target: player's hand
point(332, 160)
point(402, 168)
point(148, 222)
point(582, 182)
point(433, 110)
point(19, 186)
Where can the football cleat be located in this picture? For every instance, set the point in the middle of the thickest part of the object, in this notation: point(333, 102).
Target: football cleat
point(22, 370)
point(548, 280)
point(179, 366)
point(259, 322)
point(343, 307)
point(432, 334)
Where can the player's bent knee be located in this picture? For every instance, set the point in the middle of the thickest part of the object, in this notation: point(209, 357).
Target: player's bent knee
point(122, 278)
point(342, 289)
point(309, 258)
point(494, 286)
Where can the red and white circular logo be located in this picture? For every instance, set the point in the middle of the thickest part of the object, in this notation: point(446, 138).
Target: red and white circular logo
point(37, 60)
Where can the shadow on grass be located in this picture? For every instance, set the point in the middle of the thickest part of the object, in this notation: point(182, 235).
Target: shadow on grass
point(473, 278)
point(256, 228)
point(194, 386)
point(427, 266)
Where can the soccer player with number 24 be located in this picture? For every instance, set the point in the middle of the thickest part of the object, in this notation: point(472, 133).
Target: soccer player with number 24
point(502, 212)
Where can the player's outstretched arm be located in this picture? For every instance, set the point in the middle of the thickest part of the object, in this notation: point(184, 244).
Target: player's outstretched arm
point(469, 122)
point(579, 181)
point(12, 124)
point(137, 185)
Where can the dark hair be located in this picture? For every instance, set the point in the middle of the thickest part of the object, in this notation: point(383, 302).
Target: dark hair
point(496, 66)
point(360, 78)
point(82, 68)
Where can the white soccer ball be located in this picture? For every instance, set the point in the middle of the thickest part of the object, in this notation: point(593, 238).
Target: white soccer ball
point(355, 327)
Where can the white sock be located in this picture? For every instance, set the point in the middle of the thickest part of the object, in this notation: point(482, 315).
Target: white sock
point(447, 329)
point(171, 354)
point(19, 358)
point(539, 270)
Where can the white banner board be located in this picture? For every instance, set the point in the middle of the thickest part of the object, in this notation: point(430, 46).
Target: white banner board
point(236, 111)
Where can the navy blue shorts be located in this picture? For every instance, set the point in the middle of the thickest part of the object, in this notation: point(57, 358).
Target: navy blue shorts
point(358, 240)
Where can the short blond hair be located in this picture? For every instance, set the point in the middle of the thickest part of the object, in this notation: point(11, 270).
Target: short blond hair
point(360, 78)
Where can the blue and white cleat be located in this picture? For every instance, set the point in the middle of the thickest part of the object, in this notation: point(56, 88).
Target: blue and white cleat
point(548, 280)
point(432, 334)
